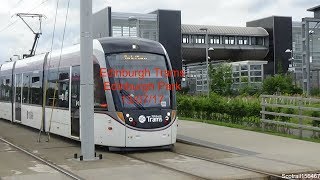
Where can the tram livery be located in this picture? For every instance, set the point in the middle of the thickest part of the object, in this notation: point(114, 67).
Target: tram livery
point(134, 109)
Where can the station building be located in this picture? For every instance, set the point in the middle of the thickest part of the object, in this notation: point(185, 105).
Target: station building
point(254, 51)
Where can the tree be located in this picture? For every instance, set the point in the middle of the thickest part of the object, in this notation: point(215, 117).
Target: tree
point(221, 79)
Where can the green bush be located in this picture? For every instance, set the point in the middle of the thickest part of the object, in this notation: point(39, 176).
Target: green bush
point(280, 84)
point(221, 79)
point(237, 110)
point(315, 92)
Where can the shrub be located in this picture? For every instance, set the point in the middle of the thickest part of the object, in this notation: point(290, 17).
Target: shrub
point(280, 84)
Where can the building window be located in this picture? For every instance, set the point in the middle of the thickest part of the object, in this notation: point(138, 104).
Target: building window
point(259, 41)
point(240, 40)
point(243, 40)
point(255, 67)
point(198, 39)
point(244, 67)
point(255, 73)
point(214, 40)
point(256, 79)
point(210, 39)
point(226, 40)
point(253, 41)
point(185, 39)
point(244, 73)
point(229, 40)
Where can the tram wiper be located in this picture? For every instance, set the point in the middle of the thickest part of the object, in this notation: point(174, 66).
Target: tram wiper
point(135, 102)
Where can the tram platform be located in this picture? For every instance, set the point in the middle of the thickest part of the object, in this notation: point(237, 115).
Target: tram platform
point(250, 149)
point(275, 154)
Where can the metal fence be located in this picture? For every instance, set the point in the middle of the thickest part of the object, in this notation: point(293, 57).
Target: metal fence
point(298, 108)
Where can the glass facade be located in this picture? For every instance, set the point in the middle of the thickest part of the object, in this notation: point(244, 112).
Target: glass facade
point(243, 72)
point(296, 64)
point(247, 72)
point(135, 25)
point(220, 39)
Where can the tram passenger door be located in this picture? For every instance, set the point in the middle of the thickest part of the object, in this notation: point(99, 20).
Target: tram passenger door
point(75, 101)
point(17, 92)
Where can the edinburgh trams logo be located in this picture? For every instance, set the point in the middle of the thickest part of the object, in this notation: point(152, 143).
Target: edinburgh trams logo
point(142, 119)
point(150, 119)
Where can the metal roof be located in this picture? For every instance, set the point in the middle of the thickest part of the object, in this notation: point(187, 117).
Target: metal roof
point(313, 9)
point(224, 30)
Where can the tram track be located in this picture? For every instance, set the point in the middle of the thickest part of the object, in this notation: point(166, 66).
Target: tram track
point(268, 174)
point(44, 161)
point(166, 167)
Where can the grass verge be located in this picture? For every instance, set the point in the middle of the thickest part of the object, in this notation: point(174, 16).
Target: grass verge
point(239, 126)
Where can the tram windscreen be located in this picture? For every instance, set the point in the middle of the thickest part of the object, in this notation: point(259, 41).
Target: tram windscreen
point(138, 80)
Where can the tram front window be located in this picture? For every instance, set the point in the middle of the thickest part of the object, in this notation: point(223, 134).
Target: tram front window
point(138, 80)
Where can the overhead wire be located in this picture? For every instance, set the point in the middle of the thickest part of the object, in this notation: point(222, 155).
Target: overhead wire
point(12, 23)
point(57, 79)
point(44, 101)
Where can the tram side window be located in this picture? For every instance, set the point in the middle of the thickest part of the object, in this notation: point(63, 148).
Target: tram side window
point(35, 91)
point(1, 87)
point(58, 88)
point(75, 87)
point(99, 93)
point(26, 93)
point(52, 87)
point(100, 102)
point(6, 92)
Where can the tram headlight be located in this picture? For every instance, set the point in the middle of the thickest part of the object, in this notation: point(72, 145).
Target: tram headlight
point(173, 114)
point(130, 119)
point(120, 116)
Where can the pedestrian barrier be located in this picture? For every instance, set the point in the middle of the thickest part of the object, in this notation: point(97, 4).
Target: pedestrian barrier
point(295, 112)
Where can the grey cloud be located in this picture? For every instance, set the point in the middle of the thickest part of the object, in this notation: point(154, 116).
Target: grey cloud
point(211, 12)
point(305, 3)
point(260, 5)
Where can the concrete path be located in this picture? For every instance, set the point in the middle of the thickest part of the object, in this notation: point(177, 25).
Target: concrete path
point(257, 150)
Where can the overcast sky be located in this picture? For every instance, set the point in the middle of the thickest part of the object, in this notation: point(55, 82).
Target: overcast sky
point(17, 38)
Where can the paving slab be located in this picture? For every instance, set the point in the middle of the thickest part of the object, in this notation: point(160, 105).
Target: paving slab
point(258, 150)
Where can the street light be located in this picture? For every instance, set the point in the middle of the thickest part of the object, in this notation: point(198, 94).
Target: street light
point(291, 52)
point(291, 59)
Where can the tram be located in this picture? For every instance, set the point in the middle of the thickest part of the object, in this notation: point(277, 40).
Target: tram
point(134, 104)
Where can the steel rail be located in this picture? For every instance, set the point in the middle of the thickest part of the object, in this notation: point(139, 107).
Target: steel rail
point(233, 165)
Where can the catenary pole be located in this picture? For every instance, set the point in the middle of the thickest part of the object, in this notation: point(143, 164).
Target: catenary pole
point(86, 82)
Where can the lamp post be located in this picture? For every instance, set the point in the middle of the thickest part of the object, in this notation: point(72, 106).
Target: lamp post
point(292, 59)
point(291, 55)
point(309, 61)
point(207, 58)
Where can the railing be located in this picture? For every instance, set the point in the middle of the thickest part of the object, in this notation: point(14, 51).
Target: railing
point(296, 107)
